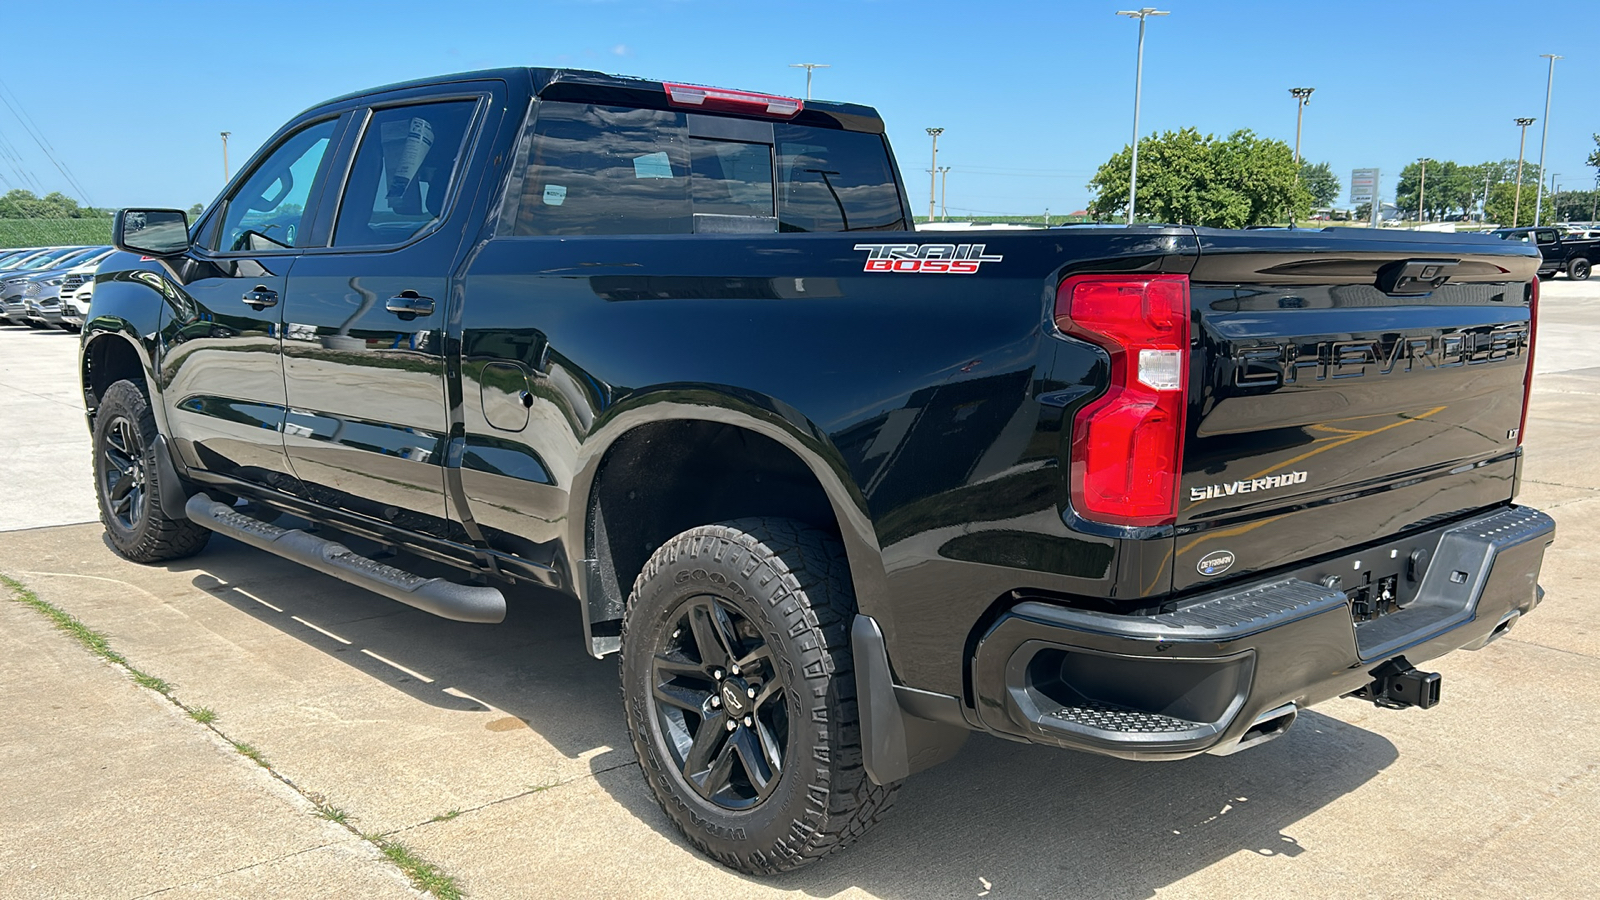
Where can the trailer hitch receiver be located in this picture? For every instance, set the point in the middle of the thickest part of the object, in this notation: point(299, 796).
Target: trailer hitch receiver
point(1398, 685)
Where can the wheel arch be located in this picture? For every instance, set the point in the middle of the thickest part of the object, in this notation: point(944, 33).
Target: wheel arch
point(110, 354)
point(803, 476)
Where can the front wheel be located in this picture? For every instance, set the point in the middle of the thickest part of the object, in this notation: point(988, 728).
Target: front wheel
point(1578, 269)
point(127, 484)
point(740, 693)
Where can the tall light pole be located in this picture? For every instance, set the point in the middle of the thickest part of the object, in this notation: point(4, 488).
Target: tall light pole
point(1538, 201)
point(933, 170)
point(1421, 186)
point(808, 67)
point(1516, 205)
point(225, 174)
point(1138, 89)
point(944, 176)
point(1302, 96)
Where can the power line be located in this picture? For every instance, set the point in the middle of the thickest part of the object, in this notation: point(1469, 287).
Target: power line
point(13, 159)
point(33, 131)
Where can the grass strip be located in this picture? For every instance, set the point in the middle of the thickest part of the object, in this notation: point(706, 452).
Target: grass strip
point(93, 641)
point(424, 875)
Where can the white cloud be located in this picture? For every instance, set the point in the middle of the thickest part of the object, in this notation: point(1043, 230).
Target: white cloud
point(622, 50)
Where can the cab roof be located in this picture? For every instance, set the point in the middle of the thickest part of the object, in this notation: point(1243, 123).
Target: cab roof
point(598, 87)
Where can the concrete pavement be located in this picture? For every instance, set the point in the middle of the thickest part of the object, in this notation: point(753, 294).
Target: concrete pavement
point(498, 753)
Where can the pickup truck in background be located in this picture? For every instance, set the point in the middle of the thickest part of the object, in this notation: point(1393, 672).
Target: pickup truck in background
point(837, 492)
point(1568, 254)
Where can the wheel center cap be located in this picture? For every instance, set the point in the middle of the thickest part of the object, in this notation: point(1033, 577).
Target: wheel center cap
point(735, 697)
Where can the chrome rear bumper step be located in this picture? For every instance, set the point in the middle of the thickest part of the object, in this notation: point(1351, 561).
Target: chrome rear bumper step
point(447, 599)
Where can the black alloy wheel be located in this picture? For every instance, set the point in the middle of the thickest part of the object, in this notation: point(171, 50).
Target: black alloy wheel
point(718, 699)
point(122, 476)
point(739, 687)
point(1578, 270)
point(128, 484)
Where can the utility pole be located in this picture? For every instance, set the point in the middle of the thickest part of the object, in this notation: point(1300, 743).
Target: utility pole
point(1138, 89)
point(808, 67)
point(1421, 186)
point(1484, 217)
point(1302, 96)
point(1554, 213)
point(933, 170)
point(1516, 205)
point(225, 173)
point(1538, 201)
point(944, 175)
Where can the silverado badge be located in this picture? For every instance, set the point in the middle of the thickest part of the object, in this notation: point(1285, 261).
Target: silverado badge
point(1246, 486)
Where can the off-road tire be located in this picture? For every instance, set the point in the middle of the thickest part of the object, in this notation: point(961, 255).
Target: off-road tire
point(791, 583)
point(1578, 270)
point(155, 534)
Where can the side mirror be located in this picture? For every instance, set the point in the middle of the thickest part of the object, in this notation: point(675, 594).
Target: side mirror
point(151, 232)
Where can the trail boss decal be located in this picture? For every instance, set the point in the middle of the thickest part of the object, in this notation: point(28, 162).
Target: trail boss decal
point(1247, 486)
point(942, 259)
point(1215, 563)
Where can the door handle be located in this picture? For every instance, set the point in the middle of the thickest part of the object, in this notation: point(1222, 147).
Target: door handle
point(261, 298)
point(408, 305)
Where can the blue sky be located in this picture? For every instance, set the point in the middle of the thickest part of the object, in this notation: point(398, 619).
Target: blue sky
point(1033, 96)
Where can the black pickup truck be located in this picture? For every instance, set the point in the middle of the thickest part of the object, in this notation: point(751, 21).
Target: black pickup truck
point(1561, 253)
point(839, 493)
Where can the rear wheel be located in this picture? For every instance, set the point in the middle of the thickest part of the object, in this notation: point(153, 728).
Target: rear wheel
point(740, 693)
point(1578, 269)
point(127, 484)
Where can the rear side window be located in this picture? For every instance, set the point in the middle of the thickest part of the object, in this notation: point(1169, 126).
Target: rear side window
point(605, 170)
point(402, 172)
point(613, 170)
point(835, 181)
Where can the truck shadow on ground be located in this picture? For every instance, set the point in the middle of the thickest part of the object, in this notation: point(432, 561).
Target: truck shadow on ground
point(1001, 819)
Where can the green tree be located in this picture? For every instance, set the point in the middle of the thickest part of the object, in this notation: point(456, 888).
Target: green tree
point(1190, 179)
point(1572, 206)
point(1320, 182)
point(21, 204)
point(1594, 158)
point(1502, 199)
point(1450, 188)
point(196, 210)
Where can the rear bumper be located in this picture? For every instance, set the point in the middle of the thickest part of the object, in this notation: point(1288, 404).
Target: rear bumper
point(1223, 670)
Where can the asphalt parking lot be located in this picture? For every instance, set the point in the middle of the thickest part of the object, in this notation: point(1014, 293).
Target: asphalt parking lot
point(498, 753)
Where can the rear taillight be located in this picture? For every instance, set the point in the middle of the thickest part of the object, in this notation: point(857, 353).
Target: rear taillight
point(1127, 446)
point(1527, 380)
point(722, 99)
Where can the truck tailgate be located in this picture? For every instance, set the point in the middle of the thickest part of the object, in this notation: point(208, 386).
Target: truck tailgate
point(1340, 394)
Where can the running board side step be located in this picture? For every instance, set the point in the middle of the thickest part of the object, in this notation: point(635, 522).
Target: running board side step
point(447, 599)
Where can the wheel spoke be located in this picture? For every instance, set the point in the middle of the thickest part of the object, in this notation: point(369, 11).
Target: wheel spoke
point(720, 774)
point(682, 697)
point(713, 633)
point(707, 741)
point(666, 668)
point(761, 769)
point(125, 485)
point(767, 692)
point(759, 657)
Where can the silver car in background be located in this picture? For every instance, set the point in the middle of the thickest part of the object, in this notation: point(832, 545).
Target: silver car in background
point(41, 294)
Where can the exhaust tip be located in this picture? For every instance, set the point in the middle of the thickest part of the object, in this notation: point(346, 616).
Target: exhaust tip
point(1269, 725)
